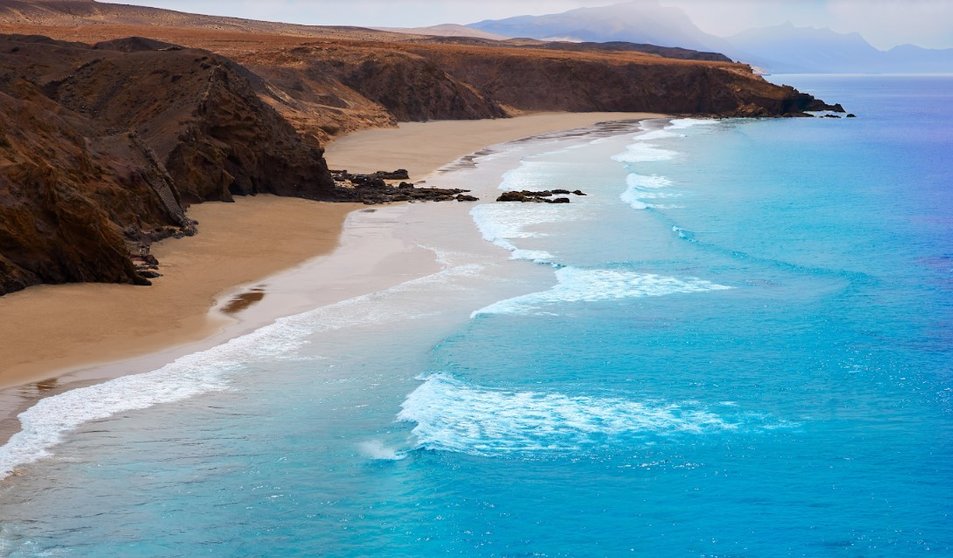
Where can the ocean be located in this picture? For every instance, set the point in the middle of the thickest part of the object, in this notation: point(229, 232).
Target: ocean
point(739, 342)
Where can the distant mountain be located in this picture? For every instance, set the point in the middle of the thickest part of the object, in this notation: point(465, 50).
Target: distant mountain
point(634, 22)
point(916, 59)
point(445, 30)
point(782, 48)
point(786, 48)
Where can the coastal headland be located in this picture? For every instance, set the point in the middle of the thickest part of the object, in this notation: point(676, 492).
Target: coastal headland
point(120, 123)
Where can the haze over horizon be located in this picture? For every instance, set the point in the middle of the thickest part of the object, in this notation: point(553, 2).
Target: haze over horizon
point(884, 23)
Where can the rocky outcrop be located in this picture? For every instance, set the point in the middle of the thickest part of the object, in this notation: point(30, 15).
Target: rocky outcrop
point(56, 224)
point(372, 189)
point(103, 148)
point(532, 196)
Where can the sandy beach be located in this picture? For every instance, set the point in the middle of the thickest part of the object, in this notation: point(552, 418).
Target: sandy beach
point(422, 147)
point(48, 330)
point(58, 337)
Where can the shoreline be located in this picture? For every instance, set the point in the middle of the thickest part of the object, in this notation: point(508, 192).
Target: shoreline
point(293, 285)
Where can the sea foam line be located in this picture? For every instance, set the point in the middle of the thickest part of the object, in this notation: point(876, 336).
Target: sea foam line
point(595, 285)
point(502, 223)
point(642, 151)
point(45, 424)
point(641, 188)
point(451, 415)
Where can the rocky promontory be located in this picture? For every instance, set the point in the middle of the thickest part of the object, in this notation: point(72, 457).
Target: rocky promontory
point(102, 149)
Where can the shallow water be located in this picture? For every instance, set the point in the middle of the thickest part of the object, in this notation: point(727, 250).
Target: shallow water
point(738, 343)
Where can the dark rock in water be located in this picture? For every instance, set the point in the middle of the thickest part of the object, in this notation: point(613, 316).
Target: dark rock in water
point(561, 192)
point(399, 174)
point(579, 192)
point(831, 116)
point(525, 196)
point(851, 115)
point(511, 197)
point(371, 194)
point(466, 198)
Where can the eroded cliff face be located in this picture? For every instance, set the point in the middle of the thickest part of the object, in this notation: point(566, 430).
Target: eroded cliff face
point(333, 87)
point(102, 149)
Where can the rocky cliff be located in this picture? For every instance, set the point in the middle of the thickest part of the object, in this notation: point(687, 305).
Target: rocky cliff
point(103, 147)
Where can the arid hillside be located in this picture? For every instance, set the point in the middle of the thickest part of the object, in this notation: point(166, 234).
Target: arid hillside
point(332, 80)
point(102, 149)
point(116, 118)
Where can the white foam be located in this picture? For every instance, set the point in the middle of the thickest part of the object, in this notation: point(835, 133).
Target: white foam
point(635, 194)
point(685, 123)
point(501, 223)
point(662, 133)
point(653, 181)
point(536, 256)
point(376, 450)
point(643, 195)
point(643, 153)
point(631, 197)
point(44, 424)
point(595, 285)
point(450, 415)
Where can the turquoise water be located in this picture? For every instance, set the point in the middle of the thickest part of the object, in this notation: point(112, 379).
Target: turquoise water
point(738, 344)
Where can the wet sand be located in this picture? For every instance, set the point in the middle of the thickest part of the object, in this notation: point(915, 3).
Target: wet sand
point(52, 329)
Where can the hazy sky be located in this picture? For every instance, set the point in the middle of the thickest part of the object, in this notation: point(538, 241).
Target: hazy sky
point(885, 23)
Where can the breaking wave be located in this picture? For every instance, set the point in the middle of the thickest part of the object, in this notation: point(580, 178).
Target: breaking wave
point(454, 416)
point(46, 423)
point(595, 285)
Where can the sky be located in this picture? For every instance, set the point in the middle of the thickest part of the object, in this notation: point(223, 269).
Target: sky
point(884, 23)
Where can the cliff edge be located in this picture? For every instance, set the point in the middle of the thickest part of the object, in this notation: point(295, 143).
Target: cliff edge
point(102, 149)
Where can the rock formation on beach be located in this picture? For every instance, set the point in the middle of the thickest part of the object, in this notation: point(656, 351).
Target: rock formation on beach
point(110, 129)
point(543, 196)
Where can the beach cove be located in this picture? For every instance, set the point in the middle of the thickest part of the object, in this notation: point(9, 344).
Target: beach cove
point(716, 340)
point(65, 336)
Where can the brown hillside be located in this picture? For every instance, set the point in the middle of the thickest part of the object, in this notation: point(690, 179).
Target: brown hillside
point(102, 149)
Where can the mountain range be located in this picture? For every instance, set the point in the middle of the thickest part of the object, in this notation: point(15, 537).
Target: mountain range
point(779, 49)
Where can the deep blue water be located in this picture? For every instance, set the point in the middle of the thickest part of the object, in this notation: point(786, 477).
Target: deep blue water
point(739, 343)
